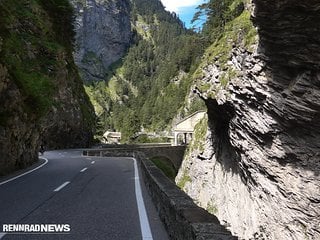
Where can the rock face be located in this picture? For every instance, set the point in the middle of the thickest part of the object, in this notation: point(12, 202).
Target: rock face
point(103, 33)
point(70, 123)
point(260, 169)
point(16, 135)
point(41, 94)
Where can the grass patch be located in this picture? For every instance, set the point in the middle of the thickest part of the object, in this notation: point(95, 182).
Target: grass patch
point(28, 74)
point(211, 208)
point(184, 179)
point(227, 76)
point(200, 132)
point(165, 166)
point(38, 90)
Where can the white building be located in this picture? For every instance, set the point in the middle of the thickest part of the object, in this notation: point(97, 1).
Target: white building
point(112, 137)
point(186, 126)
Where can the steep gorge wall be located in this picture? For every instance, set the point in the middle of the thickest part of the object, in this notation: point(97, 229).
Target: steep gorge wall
point(259, 168)
point(41, 93)
point(103, 34)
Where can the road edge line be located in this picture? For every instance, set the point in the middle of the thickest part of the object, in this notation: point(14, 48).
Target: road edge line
point(23, 174)
point(143, 217)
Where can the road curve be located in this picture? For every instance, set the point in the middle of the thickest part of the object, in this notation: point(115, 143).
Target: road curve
point(97, 197)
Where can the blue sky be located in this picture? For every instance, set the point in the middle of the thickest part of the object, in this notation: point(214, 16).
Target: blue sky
point(184, 8)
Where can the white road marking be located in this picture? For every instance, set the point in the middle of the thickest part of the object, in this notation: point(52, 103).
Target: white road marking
point(144, 222)
point(60, 187)
point(2, 234)
point(93, 162)
point(83, 170)
point(23, 174)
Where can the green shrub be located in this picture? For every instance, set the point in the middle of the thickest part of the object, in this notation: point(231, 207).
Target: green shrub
point(165, 166)
point(184, 179)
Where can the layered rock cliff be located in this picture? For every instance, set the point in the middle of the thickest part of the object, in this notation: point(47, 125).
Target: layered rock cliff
point(103, 34)
point(259, 167)
point(41, 93)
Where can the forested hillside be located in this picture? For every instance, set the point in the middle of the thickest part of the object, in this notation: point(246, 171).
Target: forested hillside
point(148, 86)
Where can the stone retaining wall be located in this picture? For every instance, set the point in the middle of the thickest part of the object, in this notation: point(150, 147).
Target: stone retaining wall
point(183, 219)
point(173, 153)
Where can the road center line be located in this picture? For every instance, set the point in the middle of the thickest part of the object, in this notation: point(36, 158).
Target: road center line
point(144, 222)
point(21, 175)
point(93, 162)
point(60, 187)
point(2, 235)
point(83, 170)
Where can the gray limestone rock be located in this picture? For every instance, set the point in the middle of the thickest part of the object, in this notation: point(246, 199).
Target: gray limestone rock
point(103, 33)
point(263, 176)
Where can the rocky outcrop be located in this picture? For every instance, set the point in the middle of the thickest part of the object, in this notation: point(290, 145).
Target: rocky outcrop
point(41, 94)
point(18, 139)
point(259, 170)
point(103, 33)
point(69, 123)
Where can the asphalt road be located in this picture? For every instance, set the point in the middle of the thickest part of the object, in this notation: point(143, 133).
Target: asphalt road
point(97, 197)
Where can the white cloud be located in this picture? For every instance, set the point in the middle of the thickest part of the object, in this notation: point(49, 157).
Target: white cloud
point(175, 5)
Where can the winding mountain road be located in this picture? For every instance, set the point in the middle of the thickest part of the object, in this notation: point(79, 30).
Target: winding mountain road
point(100, 198)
